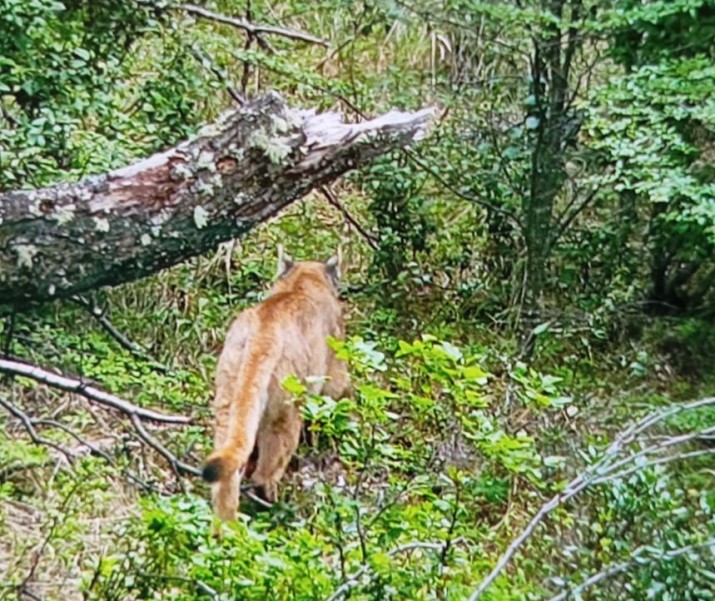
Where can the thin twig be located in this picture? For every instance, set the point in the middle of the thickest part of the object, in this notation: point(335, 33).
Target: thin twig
point(564, 221)
point(38, 374)
point(29, 425)
point(653, 462)
point(91, 446)
point(252, 28)
point(247, 491)
point(333, 200)
point(246, 47)
point(661, 446)
point(184, 468)
point(178, 465)
point(109, 327)
point(206, 63)
point(354, 580)
point(22, 587)
point(468, 197)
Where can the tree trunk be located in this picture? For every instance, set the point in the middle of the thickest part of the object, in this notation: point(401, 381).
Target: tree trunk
point(127, 224)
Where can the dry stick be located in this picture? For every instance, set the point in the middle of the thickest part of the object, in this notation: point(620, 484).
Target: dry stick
point(252, 28)
point(178, 465)
point(94, 449)
point(669, 459)
point(29, 424)
point(333, 200)
point(38, 374)
point(668, 442)
point(30, 428)
point(102, 319)
point(91, 446)
point(589, 476)
point(206, 63)
point(618, 568)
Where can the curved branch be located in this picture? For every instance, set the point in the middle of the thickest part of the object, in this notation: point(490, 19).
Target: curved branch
point(593, 474)
point(29, 426)
point(638, 560)
point(177, 465)
point(26, 370)
point(333, 200)
point(252, 28)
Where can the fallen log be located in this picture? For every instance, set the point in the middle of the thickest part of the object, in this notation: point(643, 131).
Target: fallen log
point(110, 229)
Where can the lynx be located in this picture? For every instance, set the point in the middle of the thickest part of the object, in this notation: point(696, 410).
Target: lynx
point(257, 427)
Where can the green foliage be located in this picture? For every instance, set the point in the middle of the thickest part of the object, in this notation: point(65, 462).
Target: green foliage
point(79, 95)
point(423, 425)
point(648, 33)
point(459, 429)
point(651, 129)
point(641, 519)
point(400, 213)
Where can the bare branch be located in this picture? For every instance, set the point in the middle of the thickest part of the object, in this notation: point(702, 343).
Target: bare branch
point(38, 374)
point(592, 475)
point(69, 454)
point(639, 558)
point(29, 425)
point(206, 63)
point(103, 320)
point(177, 465)
point(85, 443)
point(651, 463)
point(661, 446)
point(252, 28)
point(569, 214)
point(464, 196)
point(333, 200)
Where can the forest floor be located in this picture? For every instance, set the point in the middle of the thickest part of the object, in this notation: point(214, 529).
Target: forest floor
point(452, 439)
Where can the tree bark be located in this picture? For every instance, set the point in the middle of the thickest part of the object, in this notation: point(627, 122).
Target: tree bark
point(114, 228)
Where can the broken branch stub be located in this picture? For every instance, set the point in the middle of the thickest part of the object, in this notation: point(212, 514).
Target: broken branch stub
point(235, 173)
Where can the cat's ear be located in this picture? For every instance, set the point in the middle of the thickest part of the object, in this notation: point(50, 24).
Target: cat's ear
point(285, 261)
point(333, 267)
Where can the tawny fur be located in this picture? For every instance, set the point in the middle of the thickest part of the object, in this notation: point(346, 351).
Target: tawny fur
point(284, 335)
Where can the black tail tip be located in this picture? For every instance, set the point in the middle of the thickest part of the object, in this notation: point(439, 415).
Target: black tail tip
point(211, 471)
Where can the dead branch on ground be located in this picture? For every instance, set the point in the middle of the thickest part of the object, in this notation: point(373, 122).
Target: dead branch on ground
point(26, 370)
point(639, 557)
point(136, 415)
point(609, 467)
point(109, 229)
